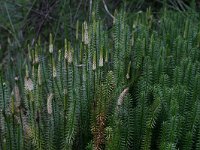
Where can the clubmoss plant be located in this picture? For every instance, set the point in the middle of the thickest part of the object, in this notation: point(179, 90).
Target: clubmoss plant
point(134, 85)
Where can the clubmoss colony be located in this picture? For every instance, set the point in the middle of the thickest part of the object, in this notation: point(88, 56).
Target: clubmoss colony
point(130, 87)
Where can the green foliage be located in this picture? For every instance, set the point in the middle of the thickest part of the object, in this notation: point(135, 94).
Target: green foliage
point(133, 86)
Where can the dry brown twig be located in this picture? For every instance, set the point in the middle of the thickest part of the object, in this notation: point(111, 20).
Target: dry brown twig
point(106, 8)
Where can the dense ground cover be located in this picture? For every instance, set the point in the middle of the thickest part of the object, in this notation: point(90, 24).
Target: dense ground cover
point(132, 83)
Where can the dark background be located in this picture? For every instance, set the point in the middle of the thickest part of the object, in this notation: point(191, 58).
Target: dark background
point(22, 22)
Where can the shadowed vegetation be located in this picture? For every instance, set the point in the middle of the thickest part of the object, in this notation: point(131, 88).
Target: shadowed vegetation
point(100, 76)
